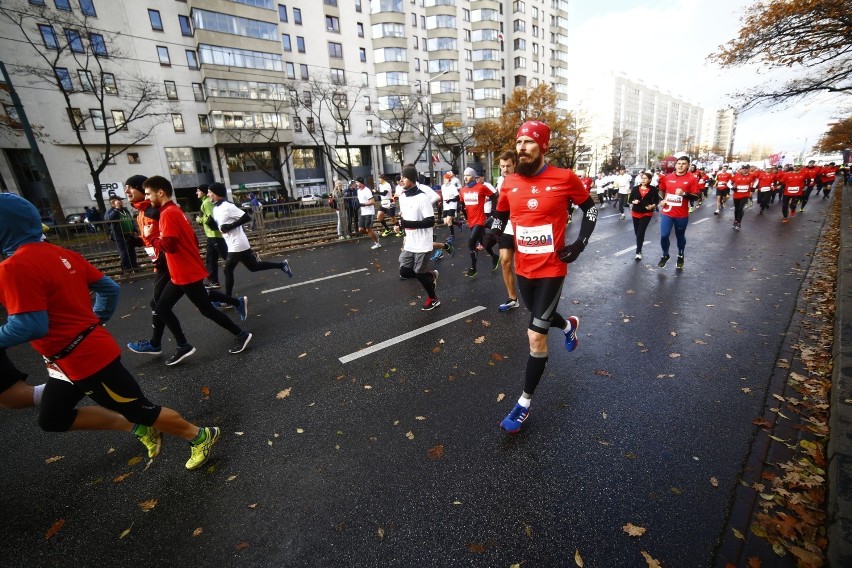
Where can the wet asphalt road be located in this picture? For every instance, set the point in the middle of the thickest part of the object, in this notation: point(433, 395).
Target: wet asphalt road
point(630, 428)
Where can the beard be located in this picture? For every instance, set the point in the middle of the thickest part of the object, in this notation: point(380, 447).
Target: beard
point(530, 168)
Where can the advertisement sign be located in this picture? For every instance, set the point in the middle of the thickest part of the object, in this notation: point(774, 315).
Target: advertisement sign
point(108, 189)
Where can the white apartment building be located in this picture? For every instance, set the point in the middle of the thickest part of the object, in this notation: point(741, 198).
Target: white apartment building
point(276, 97)
point(630, 122)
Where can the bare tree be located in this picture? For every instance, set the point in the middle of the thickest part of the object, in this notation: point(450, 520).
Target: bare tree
point(398, 114)
point(451, 139)
point(122, 108)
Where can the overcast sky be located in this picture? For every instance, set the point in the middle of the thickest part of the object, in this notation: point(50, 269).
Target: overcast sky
point(666, 43)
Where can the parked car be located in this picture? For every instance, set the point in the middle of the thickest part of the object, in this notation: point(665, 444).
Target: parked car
point(75, 218)
point(310, 200)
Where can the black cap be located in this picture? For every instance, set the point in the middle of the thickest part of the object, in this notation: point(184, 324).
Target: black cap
point(203, 187)
point(136, 181)
point(410, 172)
point(218, 189)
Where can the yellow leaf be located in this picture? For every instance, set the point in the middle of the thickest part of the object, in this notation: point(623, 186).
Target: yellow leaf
point(327, 333)
point(302, 355)
point(578, 560)
point(409, 435)
point(121, 478)
point(231, 478)
point(197, 531)
point(284, 394)
point(134, 460)
point(651, 562)
point(738, 534)
point(368, 387)
point(479, 339)
point(500, 397)
point(420, 418)
point(528, 531)
point(634, 530)
point(125, 532)
point(299, 431)
point(53, 459)
point(381, 533)
point(147, 505)
point(674, 355)
point(714, 482)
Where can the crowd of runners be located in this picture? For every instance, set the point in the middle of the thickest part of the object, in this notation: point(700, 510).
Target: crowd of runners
point(45, 289)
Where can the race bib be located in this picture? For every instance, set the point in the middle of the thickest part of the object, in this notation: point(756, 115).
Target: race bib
point(762, 189)
point(793, 190)
point(471, 199)
point(673, 199)
point(54, 371)
point(534, 240)
point(742, 188)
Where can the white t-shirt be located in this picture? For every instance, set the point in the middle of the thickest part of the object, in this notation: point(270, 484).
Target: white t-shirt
point(449, 191)
point(225, 212)
point(623, 182)
point(433, 195)
point(416, 208)
point(386, 194)
point(365, 194)
point(487, 206)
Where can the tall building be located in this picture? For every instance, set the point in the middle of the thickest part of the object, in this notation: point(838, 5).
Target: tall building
point(275, 97)
point(631, 123)
point(724, 132)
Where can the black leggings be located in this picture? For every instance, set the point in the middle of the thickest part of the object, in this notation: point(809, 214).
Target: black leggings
point(197, 294)
point(216, 249)
point(739, 208)
point(249, 260)
point(786, 202)
point(477, 232)
point(541, 297)
point(161, 279)
point(113, 387)
point(640, 225)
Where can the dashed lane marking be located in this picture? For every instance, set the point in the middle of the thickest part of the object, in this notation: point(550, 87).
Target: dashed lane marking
point(630, 249)
point(306, 282)
point(406, 336)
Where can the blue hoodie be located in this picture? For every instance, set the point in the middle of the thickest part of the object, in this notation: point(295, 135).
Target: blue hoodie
point(20, 224)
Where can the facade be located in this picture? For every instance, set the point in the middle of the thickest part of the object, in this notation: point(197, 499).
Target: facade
point(275, 97)
point(724, 132)
point(631, 123)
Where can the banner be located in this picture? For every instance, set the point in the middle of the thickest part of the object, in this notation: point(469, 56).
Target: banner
point(108, 189)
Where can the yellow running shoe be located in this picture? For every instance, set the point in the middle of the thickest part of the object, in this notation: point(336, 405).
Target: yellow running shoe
point(201, 452)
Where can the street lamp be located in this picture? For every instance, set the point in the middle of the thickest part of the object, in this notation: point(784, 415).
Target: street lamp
point(429, 124)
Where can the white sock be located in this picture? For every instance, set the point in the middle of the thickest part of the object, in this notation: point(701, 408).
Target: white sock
point(568, 326)
point(525, 402)
point(37, 392)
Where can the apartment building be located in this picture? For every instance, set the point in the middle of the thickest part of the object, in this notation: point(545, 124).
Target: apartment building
point(274, 97)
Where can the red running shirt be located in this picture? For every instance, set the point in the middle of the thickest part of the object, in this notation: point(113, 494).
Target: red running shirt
point(722, 179)
point(743, 185)
point(474, 199)
point(41, 277)
point(180, 244)
point(677, 206)
point(794, 183)
point(538, 209)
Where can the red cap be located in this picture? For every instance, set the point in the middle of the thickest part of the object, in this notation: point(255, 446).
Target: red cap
point(538, 131)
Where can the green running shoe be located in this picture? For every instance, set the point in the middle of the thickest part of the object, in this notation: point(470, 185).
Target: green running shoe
point(153, 440)
point(201, 452)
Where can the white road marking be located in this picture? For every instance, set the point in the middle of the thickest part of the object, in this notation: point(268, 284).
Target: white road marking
point(406, 336)
point(306, 282)
point(701, 220)
point(630, 249)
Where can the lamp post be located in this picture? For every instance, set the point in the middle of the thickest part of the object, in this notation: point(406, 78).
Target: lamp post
point(429, 124)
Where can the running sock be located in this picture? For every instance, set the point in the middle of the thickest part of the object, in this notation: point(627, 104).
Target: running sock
point(525, 402)
point(201, 438)
point(427, 279)
point(453, 229)
point(559, 322)
point(384, 224)
point(535, 369)
point(139, 430)
point(473, 259)
point(38, 390)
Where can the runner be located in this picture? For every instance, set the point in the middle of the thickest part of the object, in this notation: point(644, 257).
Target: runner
point(535, 198)
point(765, 187)
point(794, 183)
point(743, 181)
point(368, 209)
point(216, 246)
point(622, 182)
point(387, 210)
point(677, 191)
point(812, 174)
point(828, 178)
point(506, 242)
point(45, 290)
point(723, 180)
point(450, 197)
point(474, 195)
point(644, 200)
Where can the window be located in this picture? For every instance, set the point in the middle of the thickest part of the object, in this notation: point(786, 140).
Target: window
point(388, 30)
point(365, 79)
point(357, 5)
point(423, 22)
point(465, 14)
point(362, 54)
point(297, 124)
point(97, 118)
point(520, 63)
point(369, 127)
point(64, 5)
point(198, 91)
point(87, 82)
point(309, 123)
point(191, 59)
point(88, 8)
point(297, 16)
point(335, 49)
point(343, 126)
point(119, 120)
point(304, 158)
point(291, 71)
point(330, 2)
point(341, 100)
point(519, 6)
point(282, 13)
point(180, 161)
point(367, 105)
point(300, 44)
point(98, 44)
point(37, 2)
point(203, 123)
point(338, 76)
point(519, 26)
point(467, 35)
point(413, 19)
point(520, 44)
point(360, 27)
point(108, 83)
point(303, 72)
point(133, 158)
point(156, 20)
point(332, 24)
point(307, 100)
point(285, 41)
point(177, 122)
point(64, 78)
point(75, 42)
point(75, 115)
point(416, 64)
point(185, 25)
point(235, 25)
point(48, 35)
point(163, 55)
point(171, 90)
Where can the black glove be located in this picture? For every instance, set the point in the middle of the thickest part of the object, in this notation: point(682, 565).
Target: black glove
point(227, 227)
point(401, 222)
point(568, 254)
point(489, 240)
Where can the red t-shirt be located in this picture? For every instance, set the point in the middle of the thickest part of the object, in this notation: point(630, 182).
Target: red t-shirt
point(538, 209)
point(179, 242)
point(794, 182)
point(587, 182)
point(722, 179)
point(41, 277)
point(765, 180)
point(743, 184)
point(474, 199)
point(812, 173)
point(829, 174)
point(677, 206)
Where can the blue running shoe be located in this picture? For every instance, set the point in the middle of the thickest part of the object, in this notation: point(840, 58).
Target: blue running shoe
point(285, 266)
point(571, 340)
point(144, 346)
point(450, 248)
point(242, 308)
point(516, 418)
point(437, 254)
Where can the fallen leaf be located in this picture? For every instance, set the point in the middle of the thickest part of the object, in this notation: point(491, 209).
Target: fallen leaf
point(714, 482)
point(205, 392)
point(299, 431)
point(651, 562)
point(762, 422)
point(231, 478)
point(500, 397)
point(284, 394)
point(676, 490)
point(634, 530)
point(475, 547)
point(578, 560)
point(409, 435)
point(486, 323)
point(121, 478)
point(299, 357)
point(420, 418)
point(699, 342)
point(134, 460)
point(147, 505)
point(673, 333)
point(738, 534)
point(51, 532)
point(479, 339)
point(327, 333)
point(528, 531)
point(239, 433)
point(197, 531)
point(242, 545)
point(603, 373)
point(54, 459)
point(674, 355)
point(436, 349)
point(253, 506)
point(753, 562)
point(125, 532)
point(496, 356)
point(728, 356)
point(746, 390)
point(436, 452)
point(368, 387)
point(381, 533)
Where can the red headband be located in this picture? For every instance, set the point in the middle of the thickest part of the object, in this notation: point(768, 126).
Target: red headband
point(538, 131)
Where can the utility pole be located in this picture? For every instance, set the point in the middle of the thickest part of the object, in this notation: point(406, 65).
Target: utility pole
point(40, 164)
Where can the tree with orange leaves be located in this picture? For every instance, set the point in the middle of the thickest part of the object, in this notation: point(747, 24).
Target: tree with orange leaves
point(838, 137)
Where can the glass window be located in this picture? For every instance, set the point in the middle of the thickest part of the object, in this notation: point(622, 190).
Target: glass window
point(304, 158)
point(392, 78)
point(224, 23)
point(367, 105)
point(377, 6)
point(362, 54)
point(360, 29)
point(75, 115)
point(332, 24)
point(108, 83)
point(37, 2)
point(87, 81)
point(119, 120)
point(163, 55)
point(330, 2)
point(440, 65)
point(297, 124)
point(48, 35)
point(338, 76)
point(98, 44)
point(310, 123)
point(307, 99)
point(520, 44)
point(335, 49)
point(285, 41)
point(297, 16)
point(303, 72)
point(357, 5)
point(64, 78)
point(177, 122)
point(385, 54)
point(88, 7)
point(198, 91)
point(171, 90)
point(235, 57)
point(365, 79)
point(156, 20)
point(341, 100)
point(180, 161)
point(64, 5)
point(191, 59)
point(97, 116)
point(185, 25)
point(203, 123)
point(300, 44)
point(282, 12)
point(75, 42)
point(388, 30)
point(291, 71)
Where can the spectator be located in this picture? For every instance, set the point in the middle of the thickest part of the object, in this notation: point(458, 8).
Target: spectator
point(120, 230)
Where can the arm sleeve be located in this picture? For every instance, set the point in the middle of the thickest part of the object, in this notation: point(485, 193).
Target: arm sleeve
point(422, 224)
point(590, 218)
point(20, 328)
point(106, 297)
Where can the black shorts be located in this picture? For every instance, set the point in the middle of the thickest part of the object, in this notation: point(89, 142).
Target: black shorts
point(505, 241)
point(723, 192)
point(448, 213)
point(9, 374)
point(389, 211)
point(541, 297)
